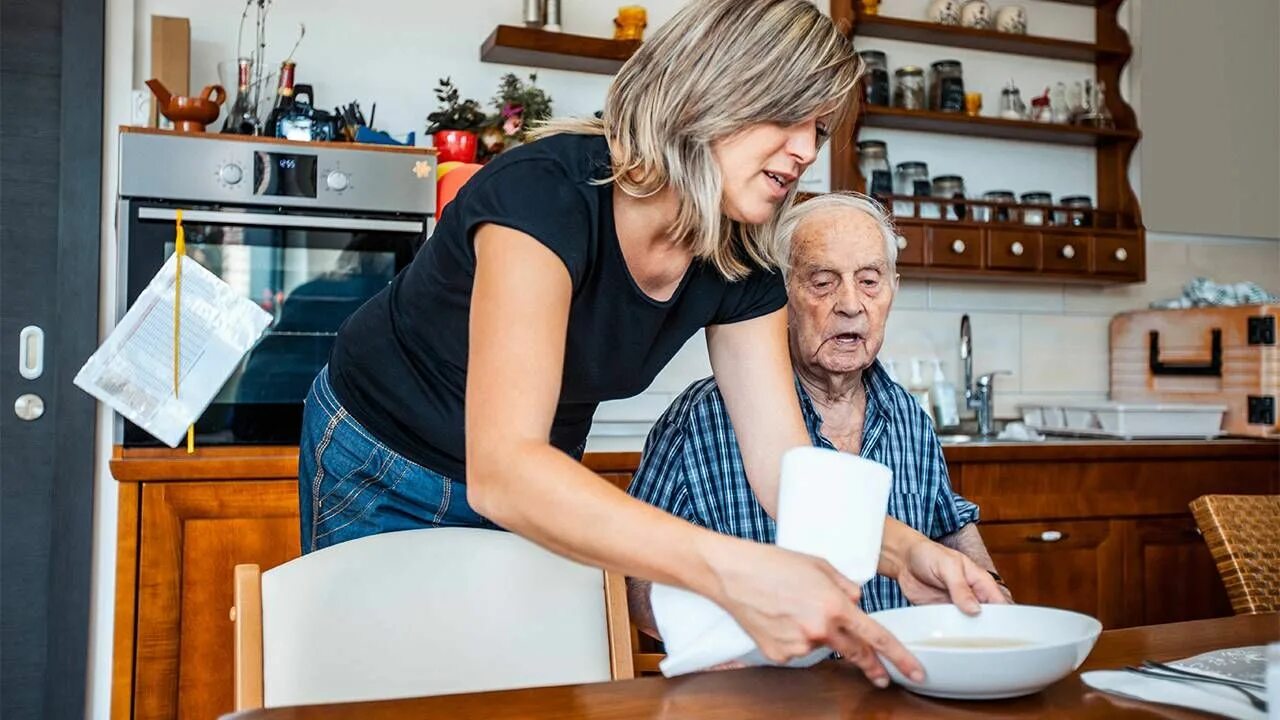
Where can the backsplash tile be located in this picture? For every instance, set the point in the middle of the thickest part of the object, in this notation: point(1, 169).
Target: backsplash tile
point(954, 295)
point(1065, 353)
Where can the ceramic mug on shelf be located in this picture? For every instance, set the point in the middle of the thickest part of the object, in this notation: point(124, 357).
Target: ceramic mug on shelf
point(1012, 19)
point(945, 12)
point(976, 14)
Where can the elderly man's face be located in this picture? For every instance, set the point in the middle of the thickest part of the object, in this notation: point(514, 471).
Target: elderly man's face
point(840, 291)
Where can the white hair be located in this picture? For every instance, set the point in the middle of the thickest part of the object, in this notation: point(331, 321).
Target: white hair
point(794, 216)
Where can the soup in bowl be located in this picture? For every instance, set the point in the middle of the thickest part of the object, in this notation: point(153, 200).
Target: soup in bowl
point(1005, 651)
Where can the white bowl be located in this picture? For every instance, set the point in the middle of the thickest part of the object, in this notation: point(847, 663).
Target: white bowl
point(1003, 652)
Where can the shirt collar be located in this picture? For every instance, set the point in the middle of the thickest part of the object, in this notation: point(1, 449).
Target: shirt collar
point(876, 381)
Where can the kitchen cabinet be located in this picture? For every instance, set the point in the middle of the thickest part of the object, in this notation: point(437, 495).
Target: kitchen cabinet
point(1102, 528)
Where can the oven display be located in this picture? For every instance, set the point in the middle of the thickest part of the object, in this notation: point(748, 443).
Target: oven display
point(284, 174)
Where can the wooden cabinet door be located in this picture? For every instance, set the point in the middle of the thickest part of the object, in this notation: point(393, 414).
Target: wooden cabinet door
point(1074, 565)
point(1169, 574)
point(192, 536)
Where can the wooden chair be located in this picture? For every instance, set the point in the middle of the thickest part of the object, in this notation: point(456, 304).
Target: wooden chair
point(1243, 534)
point(424, 612)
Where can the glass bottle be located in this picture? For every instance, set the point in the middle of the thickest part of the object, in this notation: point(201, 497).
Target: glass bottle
point(242, 119)
point(946, 86)
point(873, 163)
point(875, 83)
point(908, 91)
point(911, 178)
point(284, 100)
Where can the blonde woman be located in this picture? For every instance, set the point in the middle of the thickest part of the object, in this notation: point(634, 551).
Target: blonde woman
point(569, 271)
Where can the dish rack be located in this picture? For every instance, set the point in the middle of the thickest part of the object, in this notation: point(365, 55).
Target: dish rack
point(1126, 421)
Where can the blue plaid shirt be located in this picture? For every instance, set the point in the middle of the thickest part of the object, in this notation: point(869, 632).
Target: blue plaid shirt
point(692, 468)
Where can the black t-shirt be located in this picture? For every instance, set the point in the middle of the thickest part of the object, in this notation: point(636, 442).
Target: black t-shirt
point(399, 364)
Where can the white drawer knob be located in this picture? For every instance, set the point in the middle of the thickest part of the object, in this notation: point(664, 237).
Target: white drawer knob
point(902, 243)
point(957, 247)
point(1050, 535)
point(1122, 254)
point(1068, 252)
point(1017, 249)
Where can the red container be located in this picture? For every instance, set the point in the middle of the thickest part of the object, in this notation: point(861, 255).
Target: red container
point(459, 145)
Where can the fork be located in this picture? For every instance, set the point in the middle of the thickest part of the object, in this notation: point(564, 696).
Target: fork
point(1248, 684)
point(1257, 702)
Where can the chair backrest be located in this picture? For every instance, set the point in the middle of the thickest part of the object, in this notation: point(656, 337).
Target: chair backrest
point(1243, 534)
point(427, 612)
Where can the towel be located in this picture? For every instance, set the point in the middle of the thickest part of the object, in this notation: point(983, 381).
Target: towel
point(830, 504)
point(1203, 292)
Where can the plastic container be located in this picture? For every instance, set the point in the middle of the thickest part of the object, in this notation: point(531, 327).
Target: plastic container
point(1128, 421)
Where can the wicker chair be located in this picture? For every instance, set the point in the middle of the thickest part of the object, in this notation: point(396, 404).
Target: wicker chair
point(1243, 534)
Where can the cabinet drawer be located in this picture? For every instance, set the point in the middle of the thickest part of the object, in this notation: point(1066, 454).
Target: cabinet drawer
point(1013, 250)
point(910, 244)
point(955, 247)
point(1067, 253)
point(1119, 255)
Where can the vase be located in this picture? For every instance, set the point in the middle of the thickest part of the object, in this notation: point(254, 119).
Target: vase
point(456, 145)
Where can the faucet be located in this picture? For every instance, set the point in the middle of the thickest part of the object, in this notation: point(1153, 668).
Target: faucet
point(977, 395)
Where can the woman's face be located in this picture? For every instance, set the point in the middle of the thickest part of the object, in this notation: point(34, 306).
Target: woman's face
point(759, 165)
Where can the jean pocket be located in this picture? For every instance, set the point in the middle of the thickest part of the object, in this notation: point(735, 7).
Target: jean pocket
point(351, 474)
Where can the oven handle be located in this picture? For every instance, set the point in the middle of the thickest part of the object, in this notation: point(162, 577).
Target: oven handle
point(264, 220)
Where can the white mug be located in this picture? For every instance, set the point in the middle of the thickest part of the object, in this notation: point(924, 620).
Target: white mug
point(976, 14)
point(1012, 19)
point(946, 12)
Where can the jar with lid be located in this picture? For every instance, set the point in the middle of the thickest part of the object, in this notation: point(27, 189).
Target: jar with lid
point(873, 163)
point(911, 178)
point(1031, 214)
point(875, 81)
point(1080, 213)
point(998, 208)
point(946, 86)
point(951, 187)
point(908, 89)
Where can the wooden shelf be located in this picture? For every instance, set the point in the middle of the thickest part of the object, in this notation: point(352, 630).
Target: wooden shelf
point(892, 28)
point(961, 124)
point(512, 45)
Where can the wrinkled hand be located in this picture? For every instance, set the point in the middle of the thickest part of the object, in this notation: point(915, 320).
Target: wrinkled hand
point(791, 604)
point(933, 574)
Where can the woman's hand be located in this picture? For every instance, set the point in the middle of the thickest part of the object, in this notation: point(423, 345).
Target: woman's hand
point(931, 573)
point(792, 604)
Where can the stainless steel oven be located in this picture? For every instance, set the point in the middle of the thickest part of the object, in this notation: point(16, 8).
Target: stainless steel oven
point(308, 231)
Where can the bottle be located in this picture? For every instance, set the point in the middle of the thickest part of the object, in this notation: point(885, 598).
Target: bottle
point(242, 119)
point(943, 397)
point(918, 388)
point(284, 100)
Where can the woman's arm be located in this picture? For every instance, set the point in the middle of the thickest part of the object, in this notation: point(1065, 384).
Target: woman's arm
point(789, 603)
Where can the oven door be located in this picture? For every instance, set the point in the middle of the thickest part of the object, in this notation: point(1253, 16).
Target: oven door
point(310, 271)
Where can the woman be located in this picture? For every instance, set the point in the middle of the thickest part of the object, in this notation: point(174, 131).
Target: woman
point(568, 272)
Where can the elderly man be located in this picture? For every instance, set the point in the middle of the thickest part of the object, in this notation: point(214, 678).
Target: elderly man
point(840, 285)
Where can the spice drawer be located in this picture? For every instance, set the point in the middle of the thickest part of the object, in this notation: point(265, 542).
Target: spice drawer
point(1067, 253)
point(1013, 250)
point(955, 247)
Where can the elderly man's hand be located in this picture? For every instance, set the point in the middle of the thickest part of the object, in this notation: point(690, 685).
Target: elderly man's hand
point(936, 574)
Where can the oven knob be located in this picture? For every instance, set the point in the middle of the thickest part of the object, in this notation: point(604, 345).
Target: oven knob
point(230, 173)
point(337, 180)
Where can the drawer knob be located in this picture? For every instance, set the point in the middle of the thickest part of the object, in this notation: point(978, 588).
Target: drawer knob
point(957, 247)
point(1017, 249)
point(1048, 536)
point(902, 243)
point(1121, 254)
point(1068, 251)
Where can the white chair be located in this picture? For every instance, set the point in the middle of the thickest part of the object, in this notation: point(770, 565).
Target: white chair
point(424, 612)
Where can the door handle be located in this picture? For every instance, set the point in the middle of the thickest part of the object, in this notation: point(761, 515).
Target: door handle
point(31, 352)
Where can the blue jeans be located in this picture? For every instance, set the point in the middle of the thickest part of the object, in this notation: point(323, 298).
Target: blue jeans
point(351, 485)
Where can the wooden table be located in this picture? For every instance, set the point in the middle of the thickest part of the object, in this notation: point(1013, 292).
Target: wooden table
point(831, 690)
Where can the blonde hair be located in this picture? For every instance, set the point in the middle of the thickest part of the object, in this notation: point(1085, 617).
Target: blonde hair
point(716, 68)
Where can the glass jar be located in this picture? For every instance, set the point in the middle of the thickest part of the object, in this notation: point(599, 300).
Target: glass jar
point(1080, 214)
point(911, 178)
point(873, 162)
point(908, 88)
point(1032, 215)
point(946, 86)
point(999, 210)
point(875, 81)
point(950, 187)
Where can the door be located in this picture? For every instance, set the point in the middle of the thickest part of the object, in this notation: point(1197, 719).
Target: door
point(1169, 574)
point(50, 168)
point(1074, 565)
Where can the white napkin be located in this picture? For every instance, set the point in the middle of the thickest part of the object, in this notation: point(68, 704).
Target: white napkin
point(830, 504)
point(1197, 696)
